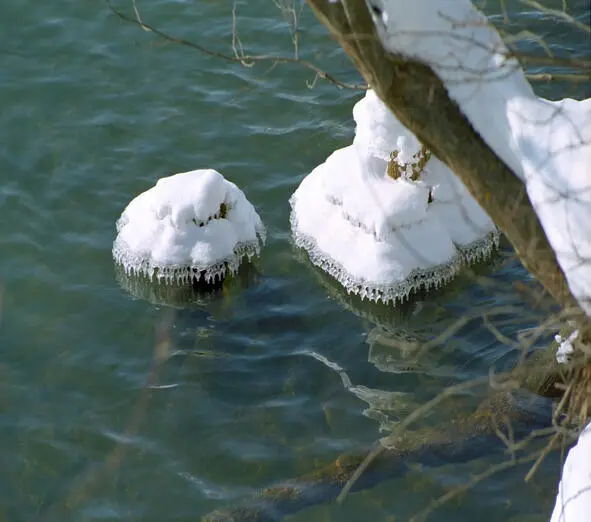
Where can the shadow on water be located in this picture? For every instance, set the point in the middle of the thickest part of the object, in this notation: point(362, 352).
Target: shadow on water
point(492, 287)
point(395, 315)
point(426, 314)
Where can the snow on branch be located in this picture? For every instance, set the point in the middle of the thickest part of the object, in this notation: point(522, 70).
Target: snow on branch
point(546, 144)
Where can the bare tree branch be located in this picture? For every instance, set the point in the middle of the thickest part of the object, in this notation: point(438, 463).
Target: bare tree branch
point(557, 13)
point(238, 56)
point(559, 77)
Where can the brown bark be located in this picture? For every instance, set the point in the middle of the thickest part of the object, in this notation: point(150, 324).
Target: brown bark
point(418, 98)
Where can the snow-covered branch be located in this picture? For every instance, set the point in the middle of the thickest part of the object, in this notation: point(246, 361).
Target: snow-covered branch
point(423, 82)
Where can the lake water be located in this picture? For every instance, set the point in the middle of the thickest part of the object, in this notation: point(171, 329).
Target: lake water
point(94, 110)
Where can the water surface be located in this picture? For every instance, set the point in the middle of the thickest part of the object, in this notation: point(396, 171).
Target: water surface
point(94, 111)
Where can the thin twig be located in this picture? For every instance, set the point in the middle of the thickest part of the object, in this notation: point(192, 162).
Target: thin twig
point(558, 77)
point(416, 414)
point(558, 14)
point(239, 56)
point(456, 491)
point(542, 455)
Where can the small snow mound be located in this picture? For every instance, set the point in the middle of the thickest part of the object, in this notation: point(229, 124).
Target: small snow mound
point(191, 225)
point(573, 500)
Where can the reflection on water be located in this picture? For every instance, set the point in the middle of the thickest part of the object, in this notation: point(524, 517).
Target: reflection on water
point(188, 294)
point(385, 407)
point(418, 338)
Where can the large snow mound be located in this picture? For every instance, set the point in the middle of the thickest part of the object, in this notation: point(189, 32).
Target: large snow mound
point(384, 217)
point(369, 252)
point(193, 224)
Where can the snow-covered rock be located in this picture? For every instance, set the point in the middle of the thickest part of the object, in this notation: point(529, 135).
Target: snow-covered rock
point(372, 234)
point(193, 225)
point(386, 218)
point(365, 252)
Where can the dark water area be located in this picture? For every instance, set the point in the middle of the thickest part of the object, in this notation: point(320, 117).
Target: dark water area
point(94, 110)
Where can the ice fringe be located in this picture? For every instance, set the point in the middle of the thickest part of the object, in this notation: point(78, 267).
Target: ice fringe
point(180, 274)
point(427, 279)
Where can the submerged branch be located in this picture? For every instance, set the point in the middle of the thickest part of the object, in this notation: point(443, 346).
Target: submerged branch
point(460, 440)
point(84, 485)
point(559, 77)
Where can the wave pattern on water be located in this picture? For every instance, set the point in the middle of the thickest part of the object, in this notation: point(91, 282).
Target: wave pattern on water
point(95, 110)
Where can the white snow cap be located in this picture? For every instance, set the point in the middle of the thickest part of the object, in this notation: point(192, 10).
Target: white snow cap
point(351, 230)
point(380, 237)
point(573, 500)
point(378, 134)
point(546, 144)
point(189, 224)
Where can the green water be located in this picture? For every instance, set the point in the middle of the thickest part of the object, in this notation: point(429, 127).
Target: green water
point(94, 110)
